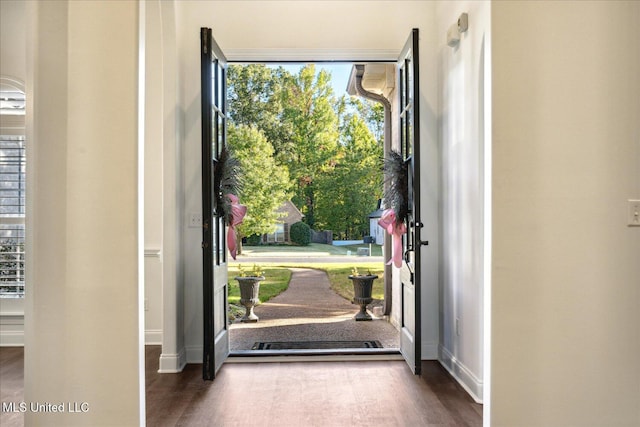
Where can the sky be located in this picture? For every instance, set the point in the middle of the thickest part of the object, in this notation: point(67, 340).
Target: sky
point(339, 74)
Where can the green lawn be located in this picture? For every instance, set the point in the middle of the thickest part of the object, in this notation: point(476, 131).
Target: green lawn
point(342, 285)
point(338, 275)
point(276, 281)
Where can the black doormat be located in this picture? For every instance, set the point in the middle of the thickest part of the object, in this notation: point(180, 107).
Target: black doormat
point(314, 345)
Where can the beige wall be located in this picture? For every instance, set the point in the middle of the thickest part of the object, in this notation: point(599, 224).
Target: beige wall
point(566, 157)
point(83, 329)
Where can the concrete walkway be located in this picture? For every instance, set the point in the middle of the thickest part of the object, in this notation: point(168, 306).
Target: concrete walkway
point(309, 310)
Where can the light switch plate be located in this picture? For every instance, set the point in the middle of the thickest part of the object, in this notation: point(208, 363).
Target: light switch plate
point(634, 213)
point(195, 220)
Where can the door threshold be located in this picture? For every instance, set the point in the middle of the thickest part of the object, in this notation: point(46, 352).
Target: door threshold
point(316, 355)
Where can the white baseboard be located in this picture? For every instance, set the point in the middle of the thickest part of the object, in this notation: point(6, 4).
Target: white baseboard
point(429, 351)
point(12, 330)
point(153, 337)
point(172, 363)
point(462, 374)
point(16, 338)
point(194, 353)
point(11, 339)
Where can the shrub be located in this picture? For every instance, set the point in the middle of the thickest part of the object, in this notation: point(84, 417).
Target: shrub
point(300, 234)
point(254, 240)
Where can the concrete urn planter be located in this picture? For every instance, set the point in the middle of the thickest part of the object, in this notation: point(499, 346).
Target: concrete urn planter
point(362, 288)
point(249, 290)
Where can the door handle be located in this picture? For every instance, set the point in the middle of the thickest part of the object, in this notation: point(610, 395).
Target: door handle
point(421, 242)
point(406, 253)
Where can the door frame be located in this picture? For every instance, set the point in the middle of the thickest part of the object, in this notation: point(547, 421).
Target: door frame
point(409, 138)
point(214, 249)
point(311, 56)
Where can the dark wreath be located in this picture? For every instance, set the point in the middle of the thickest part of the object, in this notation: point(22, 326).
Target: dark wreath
point(227, 180)
point(396, 175)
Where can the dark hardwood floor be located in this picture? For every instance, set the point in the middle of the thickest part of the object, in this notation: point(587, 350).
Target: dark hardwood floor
point(11, 383)
point(381, 393)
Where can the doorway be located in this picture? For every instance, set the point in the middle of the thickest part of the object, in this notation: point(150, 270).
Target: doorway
point(405, 225)
point(300, 124)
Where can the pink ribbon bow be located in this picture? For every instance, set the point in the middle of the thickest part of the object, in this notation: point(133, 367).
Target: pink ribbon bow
point(238, 212)
point(396, 230)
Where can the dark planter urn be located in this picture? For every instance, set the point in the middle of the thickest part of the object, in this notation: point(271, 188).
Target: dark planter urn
point(249, 289)
point(362, 287)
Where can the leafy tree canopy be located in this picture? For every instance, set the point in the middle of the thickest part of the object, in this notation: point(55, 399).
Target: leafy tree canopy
point(349, 192)
point(309, 107)
point(254, 99)
point(265, 184)
point(327, 150)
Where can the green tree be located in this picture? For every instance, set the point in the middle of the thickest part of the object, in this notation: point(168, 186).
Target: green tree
point(330, 148)
point(308, 106)
point(371, 112)
point(350, 190)
point(255, 99)
point(265, 184)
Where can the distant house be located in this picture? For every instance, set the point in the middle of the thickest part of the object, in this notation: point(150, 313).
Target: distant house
point(374, 229)
point(290, 215)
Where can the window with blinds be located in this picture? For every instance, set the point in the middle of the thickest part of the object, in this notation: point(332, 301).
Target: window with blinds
point(12, 176)
point(12, 187)
point(12, 210)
